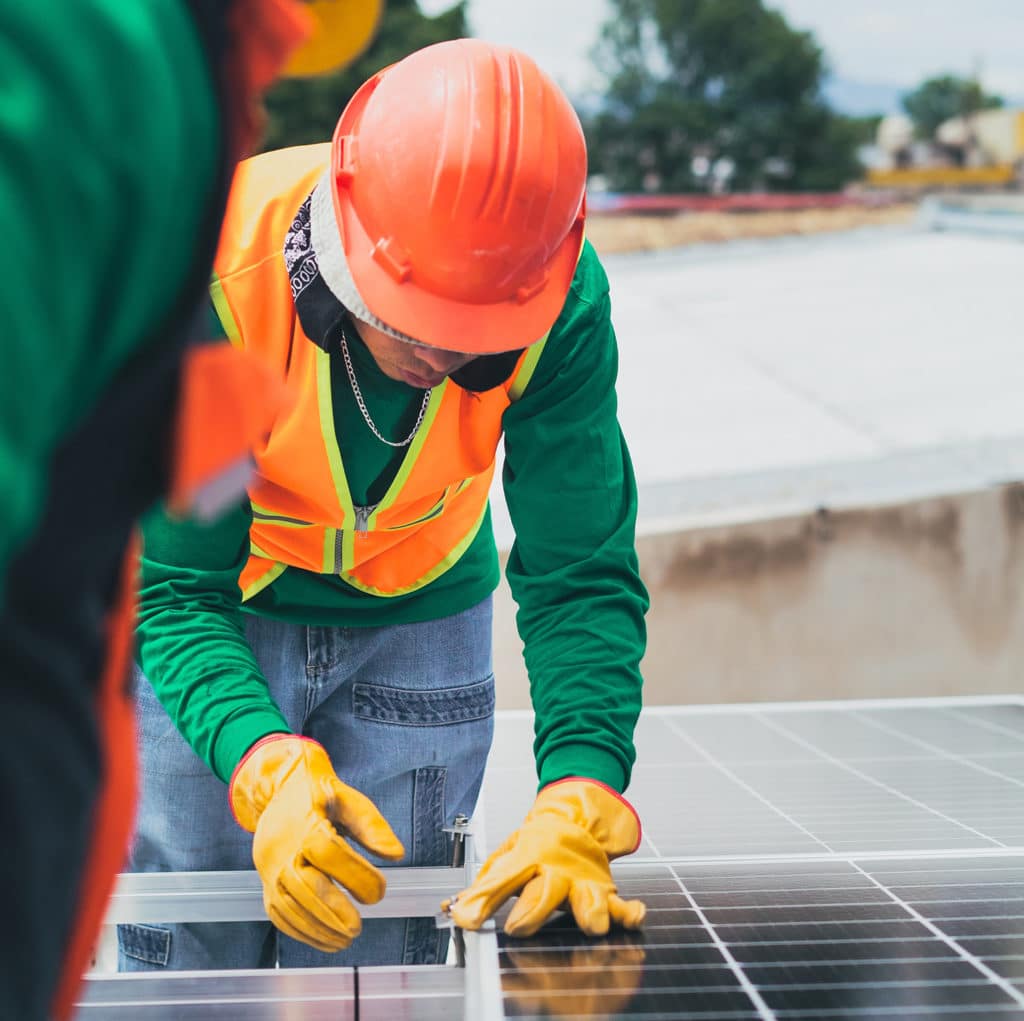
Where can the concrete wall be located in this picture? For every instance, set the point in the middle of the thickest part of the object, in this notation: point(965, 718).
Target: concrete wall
point(922, 598)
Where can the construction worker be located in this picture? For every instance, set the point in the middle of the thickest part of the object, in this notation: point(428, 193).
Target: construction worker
point(121, 124)
point(424, 285)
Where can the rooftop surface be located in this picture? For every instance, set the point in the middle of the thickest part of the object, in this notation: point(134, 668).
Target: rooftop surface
point(771, 376)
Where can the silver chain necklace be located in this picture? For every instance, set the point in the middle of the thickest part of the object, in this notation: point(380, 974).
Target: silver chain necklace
point(366, 413)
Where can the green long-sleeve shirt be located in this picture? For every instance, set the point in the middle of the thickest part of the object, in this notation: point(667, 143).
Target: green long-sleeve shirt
point(92, 173)
point(571, 495)
point(110, 151)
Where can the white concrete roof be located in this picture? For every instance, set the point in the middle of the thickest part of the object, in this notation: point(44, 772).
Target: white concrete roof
point(762, 377)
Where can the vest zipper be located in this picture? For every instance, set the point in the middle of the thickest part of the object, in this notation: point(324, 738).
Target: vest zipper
point(362, 521)
point(363, 516)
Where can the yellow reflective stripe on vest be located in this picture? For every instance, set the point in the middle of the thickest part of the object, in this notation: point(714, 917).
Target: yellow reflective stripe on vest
point(448, 562)
point(273, 571)
point(525, 373)
point(533, 353)
point(326, 405)
point(405, 470)
point(262, 514)
point(434, 511)
point(330, 567)
point(224, 313)
point(325, 402)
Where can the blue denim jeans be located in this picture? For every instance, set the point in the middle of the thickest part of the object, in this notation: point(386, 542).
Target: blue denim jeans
point(406, 714)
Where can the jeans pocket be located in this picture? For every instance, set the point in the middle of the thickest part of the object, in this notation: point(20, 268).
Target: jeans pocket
point(415, 707)
point(150, 944)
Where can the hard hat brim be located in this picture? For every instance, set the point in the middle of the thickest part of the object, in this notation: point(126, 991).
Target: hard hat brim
point(454, 325)
point(410, 309)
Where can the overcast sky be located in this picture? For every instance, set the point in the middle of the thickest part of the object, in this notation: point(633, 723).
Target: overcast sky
point(887, 42)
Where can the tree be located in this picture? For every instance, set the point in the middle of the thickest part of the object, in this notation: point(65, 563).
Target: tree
point(303, 110)
point(941, 98)
point(697, 84)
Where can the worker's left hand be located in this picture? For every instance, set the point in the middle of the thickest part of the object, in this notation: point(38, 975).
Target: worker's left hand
point(560, 854)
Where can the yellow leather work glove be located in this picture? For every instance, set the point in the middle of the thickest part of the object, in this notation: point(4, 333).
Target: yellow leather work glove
point(560, 853)
point(286, 792)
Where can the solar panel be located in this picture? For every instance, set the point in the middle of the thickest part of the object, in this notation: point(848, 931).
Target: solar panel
point(848, 861)
point(816, 861)
point(425, 993)
point(760, 780)
point(911, 937)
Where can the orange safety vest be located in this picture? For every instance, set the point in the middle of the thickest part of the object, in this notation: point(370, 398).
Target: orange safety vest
point(303, 513)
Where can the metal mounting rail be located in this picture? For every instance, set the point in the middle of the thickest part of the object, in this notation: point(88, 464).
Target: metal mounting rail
point(423, 993)
point(420, 993)
point(159, 897)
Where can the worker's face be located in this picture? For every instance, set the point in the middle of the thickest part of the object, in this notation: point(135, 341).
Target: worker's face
point(414, 364)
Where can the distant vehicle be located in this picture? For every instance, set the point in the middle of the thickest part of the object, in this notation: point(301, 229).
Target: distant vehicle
point(982, 150)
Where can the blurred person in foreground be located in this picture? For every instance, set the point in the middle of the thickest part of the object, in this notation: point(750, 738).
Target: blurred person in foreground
point(121, 124)
point(423, 284)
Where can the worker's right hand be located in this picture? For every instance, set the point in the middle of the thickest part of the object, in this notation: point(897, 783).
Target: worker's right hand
point(286, 792)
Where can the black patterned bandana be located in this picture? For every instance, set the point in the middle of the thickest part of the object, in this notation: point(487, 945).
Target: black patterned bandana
point(319, 312)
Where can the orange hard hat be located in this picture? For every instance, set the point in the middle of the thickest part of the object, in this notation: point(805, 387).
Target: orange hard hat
point(458, 178)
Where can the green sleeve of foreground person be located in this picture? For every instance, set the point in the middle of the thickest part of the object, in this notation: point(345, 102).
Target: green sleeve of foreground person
point(70, 211)
point(572, 496)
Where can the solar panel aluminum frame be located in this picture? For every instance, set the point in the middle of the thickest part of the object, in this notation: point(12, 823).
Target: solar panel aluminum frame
point(328, 993)
point(149, 898)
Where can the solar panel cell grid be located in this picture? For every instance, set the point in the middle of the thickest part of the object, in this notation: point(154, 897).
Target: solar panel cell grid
point(863, 862)
point(847, 782)
point(806, 947)
point(805, 862)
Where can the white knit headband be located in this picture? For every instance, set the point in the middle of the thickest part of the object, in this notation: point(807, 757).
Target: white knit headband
point(330, 257)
